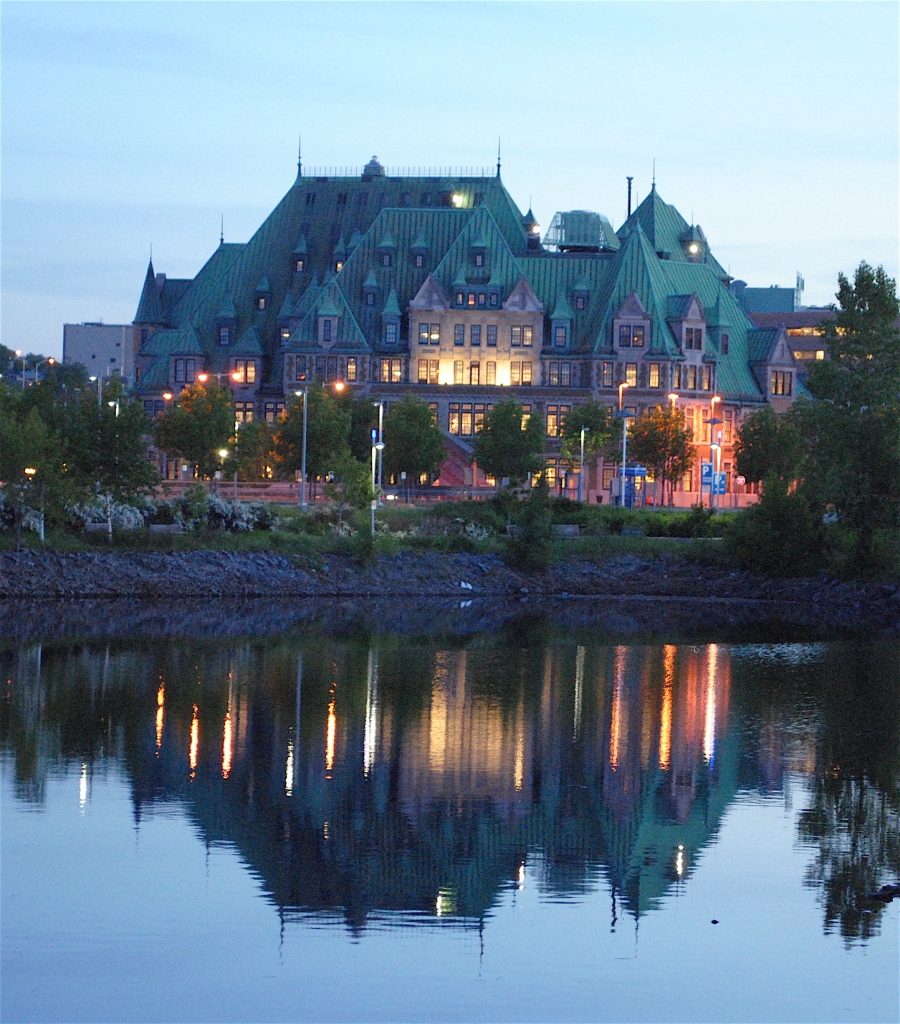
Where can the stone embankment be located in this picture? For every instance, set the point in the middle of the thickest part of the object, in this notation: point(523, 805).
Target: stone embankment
point(410, 582)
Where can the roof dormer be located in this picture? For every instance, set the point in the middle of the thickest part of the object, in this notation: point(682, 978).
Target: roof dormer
point(262, 295)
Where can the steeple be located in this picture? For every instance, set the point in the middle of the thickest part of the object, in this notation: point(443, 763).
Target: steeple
point(150, 307)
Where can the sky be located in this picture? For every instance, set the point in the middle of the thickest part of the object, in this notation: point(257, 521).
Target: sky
point(128, 127)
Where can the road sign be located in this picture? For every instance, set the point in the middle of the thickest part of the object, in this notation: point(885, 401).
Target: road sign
point(718, 483)
point(706, 474)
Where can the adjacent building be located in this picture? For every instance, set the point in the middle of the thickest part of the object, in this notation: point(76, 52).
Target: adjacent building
point(438, 285)
point(104, 350)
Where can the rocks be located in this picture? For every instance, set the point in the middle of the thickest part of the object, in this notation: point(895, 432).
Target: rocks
point(816, 602)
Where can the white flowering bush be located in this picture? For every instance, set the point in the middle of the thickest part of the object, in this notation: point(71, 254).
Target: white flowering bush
point(124, 517)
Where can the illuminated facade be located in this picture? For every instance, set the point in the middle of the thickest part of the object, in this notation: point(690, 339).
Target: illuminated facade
point(437, 285)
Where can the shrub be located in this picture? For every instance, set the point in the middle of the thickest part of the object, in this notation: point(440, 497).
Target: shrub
point(779, 535)
point(99, 508)
point(533, 547)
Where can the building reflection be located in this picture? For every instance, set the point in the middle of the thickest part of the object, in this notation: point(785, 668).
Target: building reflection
point(392, 776)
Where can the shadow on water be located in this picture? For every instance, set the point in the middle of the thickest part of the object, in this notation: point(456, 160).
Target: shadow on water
point(360, 771)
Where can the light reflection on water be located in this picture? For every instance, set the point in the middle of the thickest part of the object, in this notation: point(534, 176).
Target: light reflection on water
point(547, 803)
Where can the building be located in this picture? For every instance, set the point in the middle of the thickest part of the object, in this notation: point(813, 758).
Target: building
point(104, 350)
point(436, 285)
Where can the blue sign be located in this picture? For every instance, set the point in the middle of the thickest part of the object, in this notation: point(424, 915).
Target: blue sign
point(706, 474)
point(719, 483)
point(374, 434)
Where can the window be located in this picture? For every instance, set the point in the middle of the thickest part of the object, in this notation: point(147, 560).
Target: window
point(782, 382)
point(728, 418)
point(453, 422)
point(692, 378)
point(559, 374)
point(581, 302)
point(370, 298)
point(260, 302)
point(301, 370)
point(310, 199)
point(606, 374)
point(298, 266)
point(693, 338)
point(243, 412)
point(224, 334)
point(521, 335)
point(184, 371)
point(481, 298)
point(462, 420)
point(390, 371)
point(653, 375)
point(423, 334)
point(326, 330)
point(556, 418)
point(470, 299)
point(385, 259)
point(435, 334)
point(465, 419)
point(493, 299)
point(560, 335)
point(490, 372)
point(272, 410)
point(475, 335)
point(457, 371)
point(460, 299)
point(391, 333)
point(706, 373)
point(631, 335)
point(433, 409)
point(245, 371)
point(519, 373)
point(459, 334)
point(351, 369)
point(479, 259)
point(631, 374)
point(428, 371)
point(285, 335)
point(338, 266)
point(474, 373)
point(419, 260)
point(515, 335)
point(724, 345)
point(492, 335)
point(478, 419)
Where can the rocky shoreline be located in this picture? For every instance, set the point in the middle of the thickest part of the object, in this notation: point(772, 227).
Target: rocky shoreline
point(624, 592)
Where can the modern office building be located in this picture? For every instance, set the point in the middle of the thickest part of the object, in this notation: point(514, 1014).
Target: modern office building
point(435, 284)
point(104, 350)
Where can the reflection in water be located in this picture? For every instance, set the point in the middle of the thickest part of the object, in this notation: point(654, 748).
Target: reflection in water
point(425, 777)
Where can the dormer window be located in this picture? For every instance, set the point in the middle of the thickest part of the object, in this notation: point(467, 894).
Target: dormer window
point(581, 302)
point(632, 335)
point(385, 259)
point(370, 298)
point(479, 259)
point(285, 335)
point(260, 302)
point(723, 345)
point(224, 334)
point(338, 266)
point(327, 328)
point(419, 260)
point(693, 339)
point(299, 264)
point(560, 335)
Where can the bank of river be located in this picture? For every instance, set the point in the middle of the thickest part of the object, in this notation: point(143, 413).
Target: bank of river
point(691, 591)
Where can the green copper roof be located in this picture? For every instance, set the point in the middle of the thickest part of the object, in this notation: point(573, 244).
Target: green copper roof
point(150, 307)
point(561, 310)
point(226, 310)
point(248, 344)
point(391, 307)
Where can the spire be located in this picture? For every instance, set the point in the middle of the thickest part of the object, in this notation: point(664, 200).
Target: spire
point(498, 156)
point(299, 156)
point(222, 231)
point(150, 308)
point(653, 184)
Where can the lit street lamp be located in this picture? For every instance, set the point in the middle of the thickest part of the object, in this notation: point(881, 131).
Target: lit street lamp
point(377, 449)
point(380, 447)
point(99, 389)
point(203, 377)
point(38, 365)
point(301, 393)
point(624, 417)
point(713, 446)
point(21, 355)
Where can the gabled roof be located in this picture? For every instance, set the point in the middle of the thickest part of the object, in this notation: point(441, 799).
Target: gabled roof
point(761, 342)
point(330, 302)
point(505, 270)
point(391, 306)
point(248, 344)
point(150, 307)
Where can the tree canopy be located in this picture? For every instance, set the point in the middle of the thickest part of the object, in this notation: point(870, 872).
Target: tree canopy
point(660, 440)
point(413, 443)
point(200, 423)
point(507, 448)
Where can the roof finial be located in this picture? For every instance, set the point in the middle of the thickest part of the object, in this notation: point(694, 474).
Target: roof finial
point(653, 185)
point(222, 230)
point(498, 156)
point(299, 156)
point(151, 252)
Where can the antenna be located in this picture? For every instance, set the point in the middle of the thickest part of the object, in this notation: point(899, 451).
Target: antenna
point(222, 231)
point(498, 156)
point(629, 178)
point(654, 175)
point(299, 156)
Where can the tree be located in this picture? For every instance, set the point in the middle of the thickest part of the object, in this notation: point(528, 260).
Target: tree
point(252, 451)
point(327, 433)
point(507, 448)
point(199, 425)
point(26, 444)
point(768, 445)
point(599, 433)
point(851, 433)
point(660, 441)
point(414, 444)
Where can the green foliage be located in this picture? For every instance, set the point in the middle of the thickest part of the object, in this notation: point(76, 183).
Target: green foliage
point(507, 450)
point(327, 434)
point(413, 443)
point(660, 441)
point(599, 432)
point(779, 535)
point(350, 484)
point(252, 451)
point(532, 548)
point(768, 445)
point(199, 424)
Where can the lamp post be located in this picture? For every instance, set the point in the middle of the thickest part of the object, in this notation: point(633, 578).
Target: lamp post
point(38, 365)
point(622, 388)
point(581, 468)
point(380, 447)
point(99, 389)
point(713, 423)
point(377, 449)
point(204, 376)
point(673, 398)
point(301, 393)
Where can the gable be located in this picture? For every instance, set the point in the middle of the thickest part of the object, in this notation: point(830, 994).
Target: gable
point(523, 300)
point(429, 296)
point(632, 307)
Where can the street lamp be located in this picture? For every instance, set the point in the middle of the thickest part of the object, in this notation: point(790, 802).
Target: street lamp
point(673, 398)
point(380, 446)
point(21, 355)
point(713, 447)
point(301, 393)
point(581, 469)
point(203, 377)
point(99, 389)
point(38, 365)
point(377, 449)
point(624, 418)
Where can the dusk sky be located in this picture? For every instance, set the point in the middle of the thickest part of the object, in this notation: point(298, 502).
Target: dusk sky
point(126, 125)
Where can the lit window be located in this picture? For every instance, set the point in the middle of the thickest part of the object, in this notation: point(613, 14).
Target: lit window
point(474, 373)
point(631, 374)
point(782, 382)
point(338, 266)
point(457, 371)
point(435, 334)
point(556, 418)
point(244, 371)
point(707, 378)
point(351, 369)
point(298, 266)
point(490, 372)
point(653, 375)
point(631, 335)
point(453, 423)
point(423, 334)
point(692, 378)
point(606, 374)
point(243, 412)
point(285, 335)
point(260, 302)
point(478, 421)
point(470, 299)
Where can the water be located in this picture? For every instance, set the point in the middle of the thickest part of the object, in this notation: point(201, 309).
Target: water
point(529, 825)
